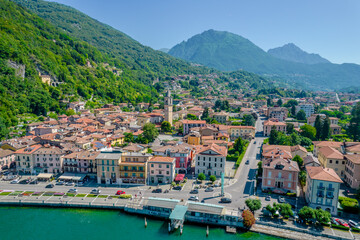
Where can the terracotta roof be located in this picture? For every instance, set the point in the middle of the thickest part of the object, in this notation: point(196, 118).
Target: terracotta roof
point(324, 174)
point(214, 147)
point(28, 150)
point(286, 164)
point(271, 123)
point(330, 152)
point(193, 122)
point(83, 155)
point(355, 158)
point(162, 159)
point(327, 143)
point(5, 153)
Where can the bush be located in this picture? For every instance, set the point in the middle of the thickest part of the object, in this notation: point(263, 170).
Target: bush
point(339, 227)
point(248, 218)
point(212, 178)
point(125, 196)
point(355, 229)
point(291, 194)
point(350, 205)
point(201, 176)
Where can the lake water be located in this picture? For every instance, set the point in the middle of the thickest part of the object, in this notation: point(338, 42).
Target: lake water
point(56, 223)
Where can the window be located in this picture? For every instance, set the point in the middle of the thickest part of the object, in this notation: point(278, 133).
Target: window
point(167, 172)
point(290, 175)
point(204, 164)
point(103, 168)
point(152, 165)
point(102, 162)
point(337, 162)
point(289, 185)
point(113, 169)
point(108, 169)
point(113, 162)
point(198, 163)
point(269, 182)
point(221, 165)
point(269, 174)
point(107, 162)
point(330, 161)
point(159, 165)
point(343, 162)
point(152, 171)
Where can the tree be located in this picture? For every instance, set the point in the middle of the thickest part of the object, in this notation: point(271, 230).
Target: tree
point(129, 137)
point(291, 103)
point(248, 218)
point(308, 131)
point(299, 160)
point(212, 178)
point(279, 102)
point(191, 117)
point(354, 126)
point(181, 130)
point(70, 112)
point(269, 102)
point(239, 145)
point(205, 113)
point(285, 210)
point(325, 131)
point(201, 176)
point(301, 115)
point(260, 169)
point(307, 213)
point(150, 132)
point(3, 129)
point(273, 135)
point(302, 178)
point(165, 126)
point(249, 120)
point(253, 204)
point(318, 127)
point(322, 216)
point(289, 128)
point(293, 111)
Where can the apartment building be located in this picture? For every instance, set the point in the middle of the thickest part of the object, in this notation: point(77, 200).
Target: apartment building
point(306, 107)
point(133, 168)
point(161, 170)
point(108, 170)
point(352, 170)
point(211, 160)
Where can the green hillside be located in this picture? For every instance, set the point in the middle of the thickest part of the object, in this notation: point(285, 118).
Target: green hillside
point(29, 41)
point(144, 62)
point(229, 52)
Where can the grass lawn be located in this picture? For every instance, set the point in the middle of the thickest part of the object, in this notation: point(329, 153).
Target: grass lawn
point(91, 195)
point(15, 193)
point(37, 193)
point(114, 196)
point(102, 196)
point(80, 195)
point(5, 193)
point(70, 194)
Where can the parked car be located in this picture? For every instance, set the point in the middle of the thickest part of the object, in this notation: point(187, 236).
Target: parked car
point(353, 224)
point(194, 198)
point(14, 181)
point(225, 200)
point(59, 183)
point(247, 162)
point(254, 142)
point(72, 190)
point(333, 221)
point(119, 192)
point(158, 190)
point(342, 222)
point(24, 181)
point(268, 198)
point(69, 184)
point(194, 191)
point(209, 189)
point(79, 184)
point(49, 185)
point(177, 188)
point(281, 199)
point(34, 182)
point(95, 191)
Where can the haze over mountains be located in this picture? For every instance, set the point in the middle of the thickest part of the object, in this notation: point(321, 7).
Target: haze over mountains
point(229, 52)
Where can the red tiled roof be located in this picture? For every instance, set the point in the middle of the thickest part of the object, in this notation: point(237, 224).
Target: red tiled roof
point(324, 174)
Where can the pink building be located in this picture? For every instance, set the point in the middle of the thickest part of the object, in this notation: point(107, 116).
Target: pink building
point(280, 175)
point(48, 160)
point(183, 153)
point(161, 170)
point(81, 162)
point(352, 170)
point(279, 126)
point(7, 159)
point(188, 124)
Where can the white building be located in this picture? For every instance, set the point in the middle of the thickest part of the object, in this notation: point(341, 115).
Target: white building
point(210, 160)
point(307, 108)
point(322, 188)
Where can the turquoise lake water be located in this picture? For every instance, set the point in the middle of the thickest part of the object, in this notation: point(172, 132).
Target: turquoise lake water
point(55, 223)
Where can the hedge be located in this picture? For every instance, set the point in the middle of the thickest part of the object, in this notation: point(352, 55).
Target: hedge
point(240, 158)
point(349, 204)
point(125, 196)
point(291, 194)
point(355, 229)
point(339, 227)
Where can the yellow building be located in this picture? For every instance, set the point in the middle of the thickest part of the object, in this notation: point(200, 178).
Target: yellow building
point(133, 167)
point(107, 164)
point(194, 138)
point(117, 139)
point(246, 132)
point(331, 158)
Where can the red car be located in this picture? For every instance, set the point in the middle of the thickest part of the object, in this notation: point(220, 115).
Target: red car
point(120, 192)
point(341, 222)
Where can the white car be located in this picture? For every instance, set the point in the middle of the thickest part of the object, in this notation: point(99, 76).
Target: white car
point(95, 191)
point(72, 190)
point(14, 181)
point(194, 198)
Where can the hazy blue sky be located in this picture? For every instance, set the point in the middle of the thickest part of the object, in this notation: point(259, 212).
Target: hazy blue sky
point(328, 27)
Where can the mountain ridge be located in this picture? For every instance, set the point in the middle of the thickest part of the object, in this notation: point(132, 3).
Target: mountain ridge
point(293, 53)
point(229, 52)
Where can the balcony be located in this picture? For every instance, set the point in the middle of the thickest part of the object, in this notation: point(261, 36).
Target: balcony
point(329, 196)
point(320, 195)
point(321, 187)
point(330, 189)
point(208, 168)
